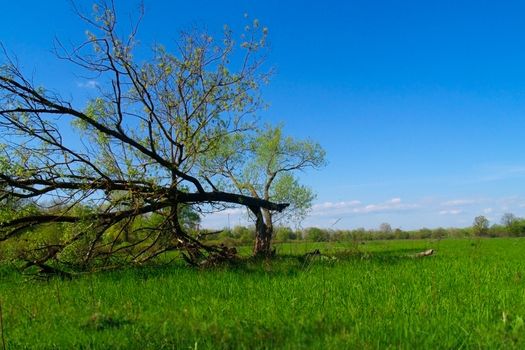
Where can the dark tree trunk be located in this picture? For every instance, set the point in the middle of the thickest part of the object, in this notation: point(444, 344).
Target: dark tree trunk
point(263, 232)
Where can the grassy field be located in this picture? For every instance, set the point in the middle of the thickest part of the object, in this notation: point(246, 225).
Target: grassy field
point(471, 294)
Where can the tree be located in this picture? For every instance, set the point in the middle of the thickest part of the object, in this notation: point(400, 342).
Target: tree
point(480, 226)
point(138, 163)
point(513, 224)
point(508, 220)
point(263, 164)
point(385, 228)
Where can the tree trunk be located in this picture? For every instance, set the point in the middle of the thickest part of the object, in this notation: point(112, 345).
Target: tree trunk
point(263, 233)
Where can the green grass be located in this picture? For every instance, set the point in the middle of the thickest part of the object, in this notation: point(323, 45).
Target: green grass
point(471, 294)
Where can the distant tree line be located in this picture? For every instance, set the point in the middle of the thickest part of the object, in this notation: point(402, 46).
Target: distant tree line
point(132, 239)
point(510, 226)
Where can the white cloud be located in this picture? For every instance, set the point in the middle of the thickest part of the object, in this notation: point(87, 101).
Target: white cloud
point(335, 205)
point(451, 212)
point(458, 202)
point(89, 84)
point(356, 207)
point(334, 208)
point(394, 204)
point(230, 211)
point(351, 213)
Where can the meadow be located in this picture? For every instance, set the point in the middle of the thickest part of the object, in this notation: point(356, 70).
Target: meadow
point(470, 294)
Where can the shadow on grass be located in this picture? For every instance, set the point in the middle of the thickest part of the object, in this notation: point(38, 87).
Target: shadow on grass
point(287, 265)
point(100, 322)
point(292, 264)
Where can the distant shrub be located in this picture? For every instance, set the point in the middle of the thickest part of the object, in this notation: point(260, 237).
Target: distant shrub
point(243, 234)
point(400, 234)
point(315, 234)
point(285, 234)
point(517, 228)
point(423, 233)
point(439, 233)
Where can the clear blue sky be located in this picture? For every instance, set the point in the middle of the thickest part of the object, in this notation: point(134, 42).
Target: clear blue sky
point(420, 105)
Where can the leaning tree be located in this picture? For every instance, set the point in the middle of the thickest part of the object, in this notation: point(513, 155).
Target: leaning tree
point(263, 164)
point(129, 160)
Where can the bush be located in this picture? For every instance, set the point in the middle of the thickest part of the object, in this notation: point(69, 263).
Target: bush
point(439, 233)
point(423, 233)
point(285, 234)
point(400, 234)
point(517, 228)
point(244, 234)
point(315, 234)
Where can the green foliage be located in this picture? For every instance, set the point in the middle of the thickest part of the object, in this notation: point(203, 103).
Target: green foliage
point(423, 233)
point(15, 208)
point(143, 138)
point(78, 238)
point(514, 225)
point(264, 164)
point(278, 157)
point(315, 234)
point(480, 227)
point(74, 254)
point(518, 228)
point(285, 234)
point(243, 234)
point(287, 189)
point(439, 233)
point(189, 218)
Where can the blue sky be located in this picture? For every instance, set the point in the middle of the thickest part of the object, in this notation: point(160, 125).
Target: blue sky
point(420, 105)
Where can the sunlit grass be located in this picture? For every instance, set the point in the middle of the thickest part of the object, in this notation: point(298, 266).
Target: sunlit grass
point(375, 295)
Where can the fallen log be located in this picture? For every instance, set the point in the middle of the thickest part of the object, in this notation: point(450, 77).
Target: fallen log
point(428, 252)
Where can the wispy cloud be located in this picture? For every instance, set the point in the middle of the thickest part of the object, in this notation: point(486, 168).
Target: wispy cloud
point(459, 202)
point(334, 208)
point(357, 207)
point(335, 205)
point(394, 204)
point(231, 211)
point(353, 213)
point(451, 212)
point(498, 172)
point(89, 84)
